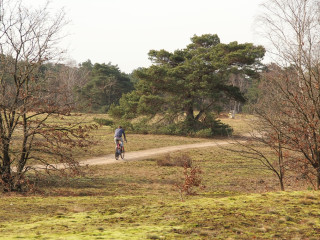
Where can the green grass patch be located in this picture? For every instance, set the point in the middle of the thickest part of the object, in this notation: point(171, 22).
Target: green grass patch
point(261, 216)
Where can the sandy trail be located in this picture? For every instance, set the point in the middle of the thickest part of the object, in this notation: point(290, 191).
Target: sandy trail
point(140, 155)
point(143, 154)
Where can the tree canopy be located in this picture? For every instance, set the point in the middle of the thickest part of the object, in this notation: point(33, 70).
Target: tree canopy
point(190, 82)
point(105, 86)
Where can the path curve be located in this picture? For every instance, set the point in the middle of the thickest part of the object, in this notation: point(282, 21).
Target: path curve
point(139, 155)
point(143, 154)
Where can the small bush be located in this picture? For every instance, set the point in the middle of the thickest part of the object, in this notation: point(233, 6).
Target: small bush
point(204, 133)
point(214, 127)
point(102, 121)
point(207, 127)
point(181, 160)
point(192, 180)
point(221, 129)
point(142, 126)
point(127, 125)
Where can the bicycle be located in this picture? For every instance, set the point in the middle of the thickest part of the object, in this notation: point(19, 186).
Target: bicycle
point(119, 150)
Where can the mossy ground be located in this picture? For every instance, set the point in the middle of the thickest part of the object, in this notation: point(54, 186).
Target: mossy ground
point(140, 200)
point(285, 215)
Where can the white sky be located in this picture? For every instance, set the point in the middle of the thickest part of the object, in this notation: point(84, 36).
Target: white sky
point(123, 31)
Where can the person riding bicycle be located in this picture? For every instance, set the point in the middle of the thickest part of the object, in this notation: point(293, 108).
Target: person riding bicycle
point(118, 135)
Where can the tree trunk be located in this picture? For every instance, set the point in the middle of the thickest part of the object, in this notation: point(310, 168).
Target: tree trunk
point(281, 184)
point(318, 178)
point(190, 120)
point(280, 160)
point(23, 156)
point(6, 170)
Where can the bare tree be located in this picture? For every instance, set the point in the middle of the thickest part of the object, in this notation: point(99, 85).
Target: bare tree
point(28, 39)
point(293, 30)
point(266, 143)
point(268, 153)
point(68, 77)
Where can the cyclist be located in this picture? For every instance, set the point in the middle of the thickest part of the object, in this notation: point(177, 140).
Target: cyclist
point(118, 135)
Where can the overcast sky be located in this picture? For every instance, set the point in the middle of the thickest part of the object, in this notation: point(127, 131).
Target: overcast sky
point(123, 31)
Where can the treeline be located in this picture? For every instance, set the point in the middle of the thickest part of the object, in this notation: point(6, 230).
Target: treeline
point(181, 93)
point(89, 87)
point(97, 87)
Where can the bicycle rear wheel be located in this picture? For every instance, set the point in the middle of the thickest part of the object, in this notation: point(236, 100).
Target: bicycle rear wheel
point(118, 150)
point(116, 155)
point(122, 153)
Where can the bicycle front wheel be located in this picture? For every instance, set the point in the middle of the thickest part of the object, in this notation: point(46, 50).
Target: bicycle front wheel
point(122, 153)
point(116, 155)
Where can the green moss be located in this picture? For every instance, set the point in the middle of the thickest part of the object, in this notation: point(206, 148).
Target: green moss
point(239, 217)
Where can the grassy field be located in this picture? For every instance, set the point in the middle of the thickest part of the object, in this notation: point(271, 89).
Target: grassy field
point(104, 136)
point(141, 200)
point(104, 143)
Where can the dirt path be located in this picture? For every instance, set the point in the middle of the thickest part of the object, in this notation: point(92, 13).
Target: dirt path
point(140, 155)
point(143, 154)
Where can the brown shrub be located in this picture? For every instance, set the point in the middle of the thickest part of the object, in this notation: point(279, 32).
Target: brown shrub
point(180, 160)
point(192, 180)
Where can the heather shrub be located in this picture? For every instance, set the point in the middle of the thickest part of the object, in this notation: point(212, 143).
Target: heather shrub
point(180, 160)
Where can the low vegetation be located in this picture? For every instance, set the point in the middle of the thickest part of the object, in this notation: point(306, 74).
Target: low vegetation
point(181, 160)
point(140, 200)
point(261, 216)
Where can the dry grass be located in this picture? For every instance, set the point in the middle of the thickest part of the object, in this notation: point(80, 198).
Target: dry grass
point(241, 123)
point(139, 200)
point(223, 171)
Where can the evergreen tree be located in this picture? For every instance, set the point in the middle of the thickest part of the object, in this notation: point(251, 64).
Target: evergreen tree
point(105, 86)
point(191, 82)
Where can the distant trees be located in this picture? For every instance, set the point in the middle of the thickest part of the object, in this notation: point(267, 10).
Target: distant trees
point(105, 85)
point(190, 83)
point(30, 95)
point(290, 98)
point(89, 87)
